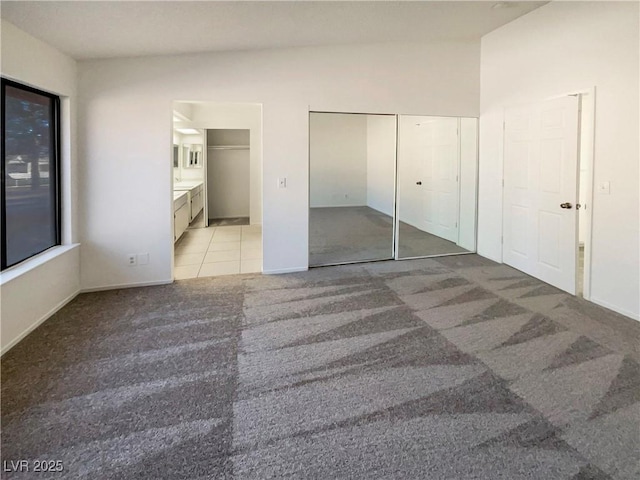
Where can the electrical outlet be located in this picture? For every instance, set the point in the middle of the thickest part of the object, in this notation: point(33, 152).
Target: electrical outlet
point(143, 258)
point(132, 259)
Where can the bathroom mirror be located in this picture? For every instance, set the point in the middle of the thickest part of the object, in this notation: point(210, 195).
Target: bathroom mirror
point(192, 156)
point(176, 156)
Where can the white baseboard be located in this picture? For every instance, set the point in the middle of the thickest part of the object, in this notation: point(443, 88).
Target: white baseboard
point(126, 285)
point(285, 270)
point(338, 205)
point(621, 311)
point(38, 322)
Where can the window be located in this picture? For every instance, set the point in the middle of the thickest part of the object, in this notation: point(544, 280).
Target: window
point(30, 191)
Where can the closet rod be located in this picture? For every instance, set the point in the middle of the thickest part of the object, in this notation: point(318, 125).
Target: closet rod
point(228, 147)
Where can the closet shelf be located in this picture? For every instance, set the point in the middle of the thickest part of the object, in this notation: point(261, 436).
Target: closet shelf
point(228, 147)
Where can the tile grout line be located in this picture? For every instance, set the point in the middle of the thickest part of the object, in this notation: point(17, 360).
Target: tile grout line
point(238, 244)
point(206, 252)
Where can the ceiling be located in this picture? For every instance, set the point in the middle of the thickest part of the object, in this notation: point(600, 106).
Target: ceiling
point(105, 29)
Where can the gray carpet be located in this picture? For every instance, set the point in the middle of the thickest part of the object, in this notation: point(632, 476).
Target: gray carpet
point(447, 368)
point(359, 234)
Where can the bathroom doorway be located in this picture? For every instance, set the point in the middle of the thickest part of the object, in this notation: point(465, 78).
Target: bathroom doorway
point(227, 237)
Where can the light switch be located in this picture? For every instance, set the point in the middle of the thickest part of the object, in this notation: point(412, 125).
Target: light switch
point(282, 182)
point(604, 188)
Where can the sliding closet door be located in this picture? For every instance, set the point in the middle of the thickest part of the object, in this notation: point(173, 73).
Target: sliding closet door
point(351, 197)
point(436, 185)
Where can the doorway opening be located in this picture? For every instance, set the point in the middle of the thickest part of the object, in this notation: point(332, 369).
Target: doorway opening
point(228, 177)
point(225, 235)
point(387, 186)
point(585, 192)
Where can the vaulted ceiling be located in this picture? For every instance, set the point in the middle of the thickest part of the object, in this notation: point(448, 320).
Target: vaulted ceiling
point(103, 29)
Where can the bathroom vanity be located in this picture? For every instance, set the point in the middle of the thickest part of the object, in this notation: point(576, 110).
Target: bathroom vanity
point(181, 212)
point(188, 202)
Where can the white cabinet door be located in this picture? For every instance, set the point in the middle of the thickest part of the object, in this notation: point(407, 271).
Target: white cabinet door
point(540, 190)
point(196, 204)
point(180, 221)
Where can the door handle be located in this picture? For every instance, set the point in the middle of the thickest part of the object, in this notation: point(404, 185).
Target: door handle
point(418, 183)
point(566, 205)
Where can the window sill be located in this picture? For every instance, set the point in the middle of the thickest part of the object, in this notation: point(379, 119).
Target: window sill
point(34, 262)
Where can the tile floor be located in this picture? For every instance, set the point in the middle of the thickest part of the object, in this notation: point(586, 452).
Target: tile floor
point(213, 251)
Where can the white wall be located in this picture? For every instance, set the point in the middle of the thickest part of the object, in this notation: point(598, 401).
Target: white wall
point(560, 48)
point(238, 116)
point(121, 215)
point(33, 290)
point(337, 160)
point(352, 160)
point(381, 161)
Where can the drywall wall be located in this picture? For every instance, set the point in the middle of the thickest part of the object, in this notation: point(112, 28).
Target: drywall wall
point(32, 297)
point(228, 176)
point(381, 162)
point(337, 160)
point(31, 291)
point(120, 214)
point(562, 48)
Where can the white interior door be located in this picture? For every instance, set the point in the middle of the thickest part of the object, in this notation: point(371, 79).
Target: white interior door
point(540, 190)
point(440, 177)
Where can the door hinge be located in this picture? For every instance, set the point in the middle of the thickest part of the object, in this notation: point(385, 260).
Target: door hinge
point(502, 240)
point(503, 183)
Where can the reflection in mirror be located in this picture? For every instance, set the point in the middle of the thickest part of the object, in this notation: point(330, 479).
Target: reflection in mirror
point(193, 159)
point(437, 170)
point(352, 165)
point(176, 156)
point(185, 155)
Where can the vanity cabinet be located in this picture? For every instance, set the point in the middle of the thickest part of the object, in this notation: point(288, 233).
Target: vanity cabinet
point(197, 201)
point(181, 213)
point(195, 197)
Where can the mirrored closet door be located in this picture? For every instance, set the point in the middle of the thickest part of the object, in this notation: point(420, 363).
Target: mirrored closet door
point(387, 187)
point(351, 187)
point(437, 171)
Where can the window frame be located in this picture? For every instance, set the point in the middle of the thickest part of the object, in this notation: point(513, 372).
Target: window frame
point(54, 172)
